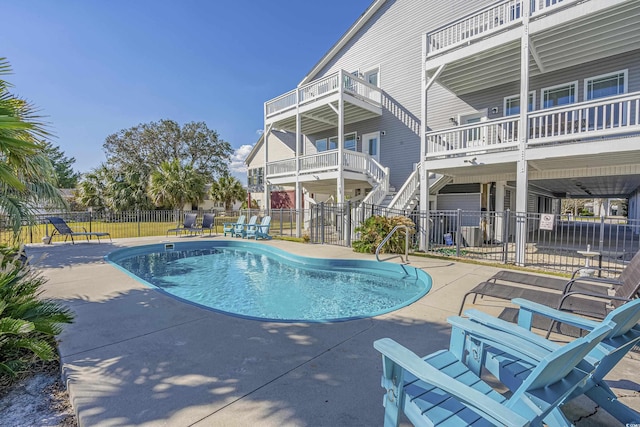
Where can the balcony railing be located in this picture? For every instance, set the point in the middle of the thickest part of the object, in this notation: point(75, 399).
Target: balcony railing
point(486, 21)
point(328, 161)
point(616, 115)
point(324, 87)
point(492, 134)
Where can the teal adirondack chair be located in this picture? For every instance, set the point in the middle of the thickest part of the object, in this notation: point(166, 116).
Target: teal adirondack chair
point(260, 231)
point(249, 227)
point(440, 390)
point(231, 227)
point(622, 338)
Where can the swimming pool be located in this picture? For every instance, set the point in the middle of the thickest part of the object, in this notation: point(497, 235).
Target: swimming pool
point(261, 282)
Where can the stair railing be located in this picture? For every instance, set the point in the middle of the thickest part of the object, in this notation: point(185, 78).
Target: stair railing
point(405, 260)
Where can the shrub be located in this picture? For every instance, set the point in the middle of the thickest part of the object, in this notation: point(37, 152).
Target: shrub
point(28, 324)
point(374, 229)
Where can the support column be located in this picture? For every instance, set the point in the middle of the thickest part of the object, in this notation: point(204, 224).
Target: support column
point(499, 217)
point(423, 243)
point(265, 134)
point(298, 186)
point(522, 178)
point(340, 185)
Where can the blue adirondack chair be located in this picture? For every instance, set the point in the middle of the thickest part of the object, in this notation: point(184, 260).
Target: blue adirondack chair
point(440, 390)
point(622, 338)
point(260, 231)
point(248, 227)
point(230, 227)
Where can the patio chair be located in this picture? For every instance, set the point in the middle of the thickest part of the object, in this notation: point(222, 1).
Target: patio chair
point(63, 229)
point(189, 224)
point(590, 296)
point(208, 223)
point(243, 230)
point(260, 231)
point(618, 342)
point(230, 227)
point(440, 389)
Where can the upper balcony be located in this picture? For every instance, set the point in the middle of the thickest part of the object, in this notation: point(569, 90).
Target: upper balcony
point(616, 117)
point(317, 103)
point(483, 49)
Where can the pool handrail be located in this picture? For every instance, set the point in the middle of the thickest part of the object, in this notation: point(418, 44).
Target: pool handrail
point(405, 260)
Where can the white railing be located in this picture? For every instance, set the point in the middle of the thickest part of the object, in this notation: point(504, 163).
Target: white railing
point(483, 22)
point(323, 87)
point(281, 103)
point(281, 167)
point(482, 136)
point(408, 190)
point(487, 21)
point(327, 160)
point(614, 115)
point(381, 189)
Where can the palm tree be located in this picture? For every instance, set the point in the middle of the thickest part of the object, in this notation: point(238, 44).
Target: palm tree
point(173, 185)
point(227, 190)
point(27, 178)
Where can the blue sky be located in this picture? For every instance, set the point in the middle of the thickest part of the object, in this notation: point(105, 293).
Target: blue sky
point(96, 67)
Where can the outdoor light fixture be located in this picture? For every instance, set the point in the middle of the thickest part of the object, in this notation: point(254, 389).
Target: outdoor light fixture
point(454, 121)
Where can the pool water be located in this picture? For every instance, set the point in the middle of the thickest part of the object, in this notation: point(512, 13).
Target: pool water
point(256, 281)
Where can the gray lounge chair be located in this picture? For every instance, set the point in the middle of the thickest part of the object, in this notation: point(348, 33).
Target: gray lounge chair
point(189, 224)
point(208, 223)
point(63, 229)
point(590, 296)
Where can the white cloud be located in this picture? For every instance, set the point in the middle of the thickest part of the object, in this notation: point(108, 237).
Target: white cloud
point(259, 132)
point(237, 159)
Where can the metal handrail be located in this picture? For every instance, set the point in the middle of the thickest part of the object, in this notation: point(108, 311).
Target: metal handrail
point(405, 260)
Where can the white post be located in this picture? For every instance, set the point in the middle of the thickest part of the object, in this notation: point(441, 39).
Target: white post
point(340, 189)
point(297, 148)
point(423, 177)
point(265, 134)
point(500, 195)
point(522, 178)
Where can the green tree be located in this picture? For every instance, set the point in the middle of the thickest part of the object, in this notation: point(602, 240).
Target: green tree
point(173, 185)
point(148, 145)
point(106, 188)
point(62, 164)
point(227, 190)
point(27, 178)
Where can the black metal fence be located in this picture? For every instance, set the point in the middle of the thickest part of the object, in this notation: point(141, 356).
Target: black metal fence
point(554, 242)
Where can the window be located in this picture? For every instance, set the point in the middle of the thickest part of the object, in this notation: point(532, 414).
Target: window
point(321, 145)
point(601, 87)
point(512, 104)
point(255, 176)
point(372, 77)
point(350, 141)
point(559, 95)
point(605, 85)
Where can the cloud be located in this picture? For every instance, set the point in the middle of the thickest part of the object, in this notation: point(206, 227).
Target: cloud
point(238, 157)
point(259, 132)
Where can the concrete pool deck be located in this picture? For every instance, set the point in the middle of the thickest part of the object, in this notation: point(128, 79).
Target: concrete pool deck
point(135, 356)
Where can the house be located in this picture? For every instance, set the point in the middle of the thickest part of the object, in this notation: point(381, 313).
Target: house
point(523, 103)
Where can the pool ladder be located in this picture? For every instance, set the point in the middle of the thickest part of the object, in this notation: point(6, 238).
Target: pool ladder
point(405, 260)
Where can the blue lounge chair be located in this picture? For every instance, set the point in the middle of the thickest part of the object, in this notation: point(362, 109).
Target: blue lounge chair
point(63, 229)
point(250, 226)
point(622, 338)
point(440, 390)
point(231, 227)
point(189, 224)
point(260, 231)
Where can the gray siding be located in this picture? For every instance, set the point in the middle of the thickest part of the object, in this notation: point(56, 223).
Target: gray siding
point(392, 40)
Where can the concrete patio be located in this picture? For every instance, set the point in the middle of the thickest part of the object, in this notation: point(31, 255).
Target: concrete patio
point(135, 356)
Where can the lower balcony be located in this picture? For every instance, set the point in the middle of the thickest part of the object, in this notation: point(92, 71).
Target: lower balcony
point(612, 117)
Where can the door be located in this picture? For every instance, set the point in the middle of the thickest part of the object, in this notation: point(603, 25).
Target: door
point(473, 137)
point(371, 144)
